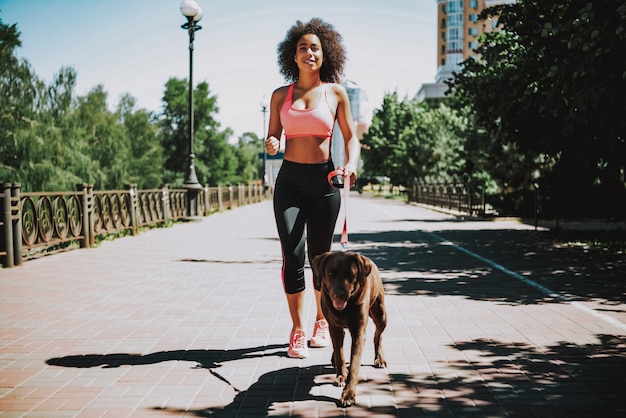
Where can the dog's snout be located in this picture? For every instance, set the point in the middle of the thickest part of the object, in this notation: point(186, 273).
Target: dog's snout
point(339, 293)
point(339, 297)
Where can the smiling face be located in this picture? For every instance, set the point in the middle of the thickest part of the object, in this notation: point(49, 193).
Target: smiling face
point(309, 55)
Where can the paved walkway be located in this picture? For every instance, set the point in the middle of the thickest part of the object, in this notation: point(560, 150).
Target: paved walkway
point(485, 319)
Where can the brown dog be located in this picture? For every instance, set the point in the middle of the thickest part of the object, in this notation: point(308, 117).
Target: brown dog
point(351, 291)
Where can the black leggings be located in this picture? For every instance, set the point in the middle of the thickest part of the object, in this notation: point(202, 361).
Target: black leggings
point(302, 196)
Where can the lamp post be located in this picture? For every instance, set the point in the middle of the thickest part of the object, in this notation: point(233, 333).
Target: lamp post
point(192, 11)
point(264, 106)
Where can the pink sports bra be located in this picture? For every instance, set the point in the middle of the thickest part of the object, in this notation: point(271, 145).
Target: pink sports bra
point(318, 121)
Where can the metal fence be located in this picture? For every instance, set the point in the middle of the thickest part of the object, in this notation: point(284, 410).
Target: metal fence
point(32, 224)
point(458, 197)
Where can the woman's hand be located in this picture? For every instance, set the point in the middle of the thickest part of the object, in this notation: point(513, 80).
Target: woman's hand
point(350, 171)
point(272, 145)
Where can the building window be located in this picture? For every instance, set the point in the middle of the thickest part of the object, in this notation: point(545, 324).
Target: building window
point(455, 20)
point(454, 47)
point(455, 59)
point(474, 4)
point(454, 33)
point(473, 31)
point(473, 17)
point(455, 6)
point(472, 45)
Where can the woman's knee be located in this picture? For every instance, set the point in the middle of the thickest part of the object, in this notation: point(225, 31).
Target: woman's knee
point(293, 281)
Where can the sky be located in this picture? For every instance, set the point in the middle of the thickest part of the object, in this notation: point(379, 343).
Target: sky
point(135, 46)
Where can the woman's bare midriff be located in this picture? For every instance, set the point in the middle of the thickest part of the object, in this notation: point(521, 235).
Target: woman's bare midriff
point(307, 150)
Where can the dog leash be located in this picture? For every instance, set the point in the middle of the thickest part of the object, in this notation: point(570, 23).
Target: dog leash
point(345, 190)
point(337, 179)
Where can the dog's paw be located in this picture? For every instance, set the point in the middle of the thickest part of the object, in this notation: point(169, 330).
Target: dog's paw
point(380, 363)
point(348, 398)
point(340, 381)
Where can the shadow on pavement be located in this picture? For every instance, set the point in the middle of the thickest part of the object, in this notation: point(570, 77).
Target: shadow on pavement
point(294, 392)
point(418, 263)
point(512, 379)
point(204, 358)
point(488, 378)
point(277, 386)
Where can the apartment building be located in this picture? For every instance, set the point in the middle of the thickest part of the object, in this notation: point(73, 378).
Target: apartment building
point(458, 30)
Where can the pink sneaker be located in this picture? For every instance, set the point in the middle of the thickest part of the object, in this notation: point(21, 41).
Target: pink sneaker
point(321, 336)
point(297, 345)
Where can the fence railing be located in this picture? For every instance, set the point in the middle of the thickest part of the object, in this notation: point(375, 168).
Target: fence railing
point(458, 197)
point(36, 223)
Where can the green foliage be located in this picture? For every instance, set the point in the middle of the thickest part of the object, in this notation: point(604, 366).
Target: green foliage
point(173, 128)
point(249, 146)
point(51, 139)
point(409, 141)
point(216, 160)
point(17, 92)
point(546, 97)
point(146, 154)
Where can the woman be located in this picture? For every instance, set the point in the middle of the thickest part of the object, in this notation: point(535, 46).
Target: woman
point(311, 57)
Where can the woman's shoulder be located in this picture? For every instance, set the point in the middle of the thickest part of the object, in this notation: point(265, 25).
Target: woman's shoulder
point(337, 89)
point(283, 88)
point(279, 95)
point(281, 91)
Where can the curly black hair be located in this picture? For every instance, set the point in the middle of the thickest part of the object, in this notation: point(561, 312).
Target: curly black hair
point(332, 47)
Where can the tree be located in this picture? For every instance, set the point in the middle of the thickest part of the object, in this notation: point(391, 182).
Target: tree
point(215, 160)
point(18, 93)
point(33, 149)
point(56, 101)
point(51, 140)
point(145, 167)
point(384, 141)
point(409, 141)
point(249, 147)
point(548, 91)
point(97, 133)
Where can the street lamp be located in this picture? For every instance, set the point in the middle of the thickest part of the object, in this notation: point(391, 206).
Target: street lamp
point(192, 11)
point(264, 106)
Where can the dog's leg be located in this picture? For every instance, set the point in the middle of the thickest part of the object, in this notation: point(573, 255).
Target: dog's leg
point(337, 335)
point(379, 316)
point(348, 396)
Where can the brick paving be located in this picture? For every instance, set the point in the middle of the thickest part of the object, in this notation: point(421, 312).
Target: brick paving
point(191, 321)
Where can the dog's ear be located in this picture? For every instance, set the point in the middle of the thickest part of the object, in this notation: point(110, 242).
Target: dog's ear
point(317, 265)
point(365, 266)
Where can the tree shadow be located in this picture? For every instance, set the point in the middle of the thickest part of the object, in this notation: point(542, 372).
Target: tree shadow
point(418, 263)
point(487, 378)
point(494, 378)
point(565, 263)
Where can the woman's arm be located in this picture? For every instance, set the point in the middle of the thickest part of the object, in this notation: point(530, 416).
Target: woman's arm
point(275, 128)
